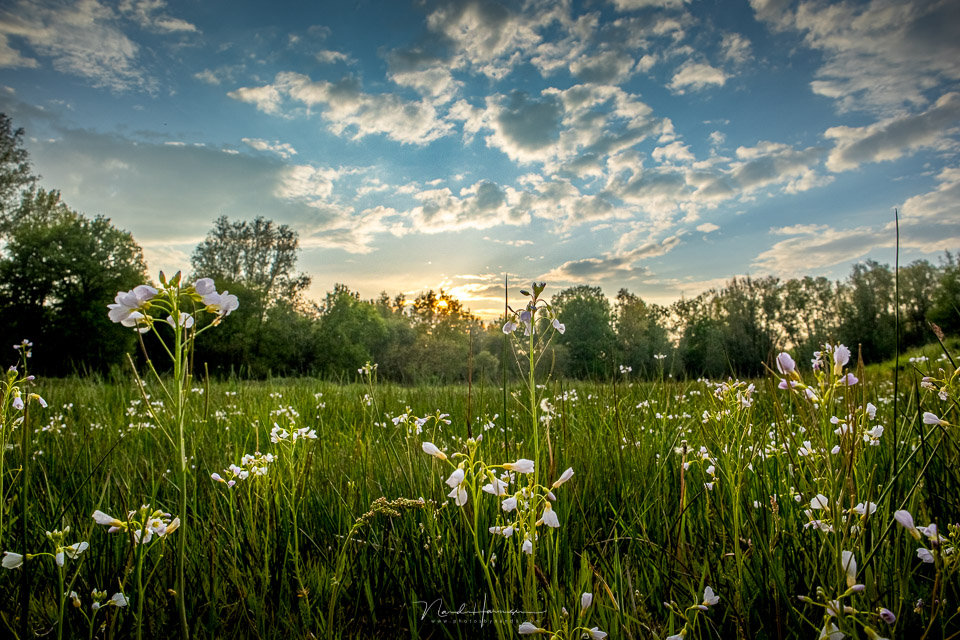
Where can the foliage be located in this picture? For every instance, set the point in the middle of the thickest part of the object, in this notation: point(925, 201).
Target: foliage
point(58, 272)
point(15, 175)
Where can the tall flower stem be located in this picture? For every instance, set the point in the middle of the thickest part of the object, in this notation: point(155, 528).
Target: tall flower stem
point(179, 375)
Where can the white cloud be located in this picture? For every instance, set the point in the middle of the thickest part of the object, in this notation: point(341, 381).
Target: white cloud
point(82, 39)
point(580, 126)
point(347, 109)
point(675, 151)
point(282, 149)
point(327, 56)
point(696, 76)
point(707, 227)
point(266, 98)
point(11, 58)
point(929, 223)
point(633, 5)
point(480, 206)
point(148, 14)
point(892, 138)
point(817, 249)
point(605, 67)
point(491, 38)
point(207, 76)
point(735, 48)
point(878, 55)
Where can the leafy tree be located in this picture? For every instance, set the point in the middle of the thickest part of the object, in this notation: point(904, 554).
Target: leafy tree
point(257, 262)
point(867, 316)
point(918, 285)
point(747, 312)
point(640, 334)
point(350, 332)
point(701, 344)
point(807, 314)
point(15, 175)
point(58, 272)
point(259, 255)
point(945, 303)
point(589, 338)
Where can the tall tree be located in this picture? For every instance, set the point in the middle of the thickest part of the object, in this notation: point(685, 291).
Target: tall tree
point(259, 255)
point(15, 175)
point(257, 261)
point(867, 316)
point(589, 338)
point(640, 332)
point(58, 272)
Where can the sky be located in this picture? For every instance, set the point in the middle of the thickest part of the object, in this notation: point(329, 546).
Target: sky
point(663, 146)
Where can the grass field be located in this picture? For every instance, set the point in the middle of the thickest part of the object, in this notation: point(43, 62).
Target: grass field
point(676, 487)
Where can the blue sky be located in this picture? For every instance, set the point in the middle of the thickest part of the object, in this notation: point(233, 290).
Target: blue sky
point(664, 146)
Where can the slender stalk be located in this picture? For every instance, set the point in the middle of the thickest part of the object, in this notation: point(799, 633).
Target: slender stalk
point(180, 378)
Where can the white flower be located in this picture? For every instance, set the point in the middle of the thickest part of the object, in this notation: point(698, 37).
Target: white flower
point(709, 597)
point(74, 550)
point(520, 466)
point(566, 475)
point(11, 560)
point(433, 450)
point(865, 508)
point(456, 478)
point(186, 320)
point(923, 554)
point(871, 410)
point(118, 600)
point(559, 326)
point(510, 327)
point(204, 286)
point(831, 632)
point(101, 518)
point(906, 521)
point(495, 487)
point(549, 516)
point(126, 305)
point(527, 546)
point(872, 436)
point(932, 418)
point(459, 494)
point(509, 504)
point(785, 364)
point(528, 628)
point(586, 599)
point(849, 562)
point(221, 303)
point(841, 356)
point(595, 634)
point(849, 380)
point(820, 502)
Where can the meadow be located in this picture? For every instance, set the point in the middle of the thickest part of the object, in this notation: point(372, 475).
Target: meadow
point(814, 503)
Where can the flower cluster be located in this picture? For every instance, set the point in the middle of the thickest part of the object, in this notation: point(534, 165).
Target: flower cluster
point(61, 552)
point(100, 600)
point(131, 308)
point(251, 465)
point(828, 368)
point(710, 599)
point(279, 434)
point(144, 523)
point(526, 317)
point(939, 545)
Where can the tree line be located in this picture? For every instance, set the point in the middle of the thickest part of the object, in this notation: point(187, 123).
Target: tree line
point(59, 269)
